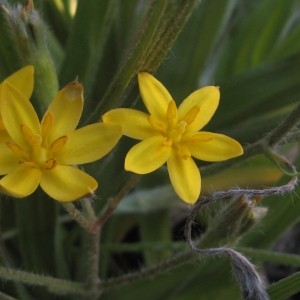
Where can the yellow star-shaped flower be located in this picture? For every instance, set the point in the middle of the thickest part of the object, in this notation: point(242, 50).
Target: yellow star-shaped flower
point(44, 153)
point(171, 135)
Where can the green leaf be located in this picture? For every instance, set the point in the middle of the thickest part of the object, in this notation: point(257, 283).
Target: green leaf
point(285, 288)
point(85, 46)
point(155, 227)
point(35, 220)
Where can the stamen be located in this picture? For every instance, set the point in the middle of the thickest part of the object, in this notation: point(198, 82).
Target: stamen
point(47, 124)
point(28, 163)
point(177, 132)
point(57, 145)
point(172, 114)
point(16, 149)
point(27, 133)
point(191, 115)
point(36, 143)
point(50, 164)
point(181, 127)
point(157, 124)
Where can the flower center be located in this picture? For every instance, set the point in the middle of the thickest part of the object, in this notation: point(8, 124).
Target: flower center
point(173, 129)
point(38, 153)
point(170, 127)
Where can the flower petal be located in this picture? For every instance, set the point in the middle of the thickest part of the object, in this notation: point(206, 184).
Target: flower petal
point(23, 80)
point(8, 161)
point(185, 177)
point(216, 148)
point(21, 182)
point(155, 96)
point(148, 155)
point(89, 143)
point(66, 183)
point(66, 108)
point(16, 111)
point(207, 99)
point(134, 123)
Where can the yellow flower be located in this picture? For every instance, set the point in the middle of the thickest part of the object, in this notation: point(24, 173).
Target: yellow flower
point(44, 153)
point(172, 135)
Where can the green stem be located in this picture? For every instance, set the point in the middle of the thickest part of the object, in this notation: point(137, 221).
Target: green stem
point(271, 256)
point(114, 202)
point(77, 215)
point(93, 253)
point(134, 61)
point(55, 285)
point(285, 287)
point(6, 297)
point(179, 13)
point(285, 127)
point(149, 272)
point(93, 279)
point(164, 21)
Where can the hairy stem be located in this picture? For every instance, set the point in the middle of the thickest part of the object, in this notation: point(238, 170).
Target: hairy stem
point(55, 285)
point(114, 202)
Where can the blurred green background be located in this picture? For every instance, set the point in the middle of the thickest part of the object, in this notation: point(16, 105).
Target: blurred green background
point(250, 49)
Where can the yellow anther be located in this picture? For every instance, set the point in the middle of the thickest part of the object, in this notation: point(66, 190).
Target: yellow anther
point(28, 163)
point(157, 124)
point(176, 133)
point(57, 145)
point(181, 127)
point(50, 164)
point(27, 133)
point(47, 124)
point(191, 115)
point(172, 114)
point(17, 150)
point(36, 143)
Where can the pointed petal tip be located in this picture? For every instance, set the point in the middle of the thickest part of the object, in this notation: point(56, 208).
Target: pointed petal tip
point(73, 90)
point(67, 183)
point(142, 76)
point(91, 194)
point(190, 200)
point(29, 70)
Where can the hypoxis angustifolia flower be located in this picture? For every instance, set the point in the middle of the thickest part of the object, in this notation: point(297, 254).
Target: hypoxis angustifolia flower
point(170, 134)
point(45, 152)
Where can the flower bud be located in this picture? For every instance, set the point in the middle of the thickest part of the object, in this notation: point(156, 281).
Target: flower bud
point(26, 35)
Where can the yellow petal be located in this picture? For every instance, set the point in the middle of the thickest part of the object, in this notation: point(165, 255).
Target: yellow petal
point(8, 161)
point(89, 143)
point(66, 183)
point(66, 108)
point(207, 99)
point(17, 111)
point(21, 182)
point(23, 80)
point(219, 147)
point(134, 123)
point(185, 177)
point(148, 155)
point(155, 96)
